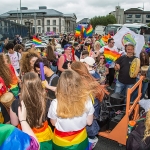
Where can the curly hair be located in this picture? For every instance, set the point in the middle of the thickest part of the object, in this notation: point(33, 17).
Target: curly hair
point(5, 72)
point(18, 47)
point(34, 96)
point(25, 61)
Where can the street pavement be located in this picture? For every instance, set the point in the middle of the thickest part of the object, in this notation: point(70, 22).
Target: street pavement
point(106, 144)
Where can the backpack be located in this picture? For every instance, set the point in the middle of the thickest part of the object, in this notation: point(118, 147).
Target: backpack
point(135, 139)
point(51, 79)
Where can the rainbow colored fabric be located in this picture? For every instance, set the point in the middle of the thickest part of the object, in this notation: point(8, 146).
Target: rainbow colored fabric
point(81, 31)
point(78, 30)
point(14, 85)
point(12, 138)
point(106, 37)
point(89, 31)
point(76, 140)
point(44, 136)
point(111, 56)
point(101, 42)
point(37, 41)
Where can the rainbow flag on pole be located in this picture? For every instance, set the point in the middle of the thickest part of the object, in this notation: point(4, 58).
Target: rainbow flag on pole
point(89, 30)
point(79, 31)
point(111, 56)
point(36, 41)
point(76, 140)
point(12, 138)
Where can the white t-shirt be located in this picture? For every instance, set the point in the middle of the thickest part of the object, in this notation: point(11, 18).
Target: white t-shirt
point(14, 58)
point(70, 124)
point(112, 65)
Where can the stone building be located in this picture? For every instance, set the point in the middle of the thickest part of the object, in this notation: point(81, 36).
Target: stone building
point(43, 20)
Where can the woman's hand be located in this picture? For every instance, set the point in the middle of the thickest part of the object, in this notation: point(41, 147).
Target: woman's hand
point(22, 113)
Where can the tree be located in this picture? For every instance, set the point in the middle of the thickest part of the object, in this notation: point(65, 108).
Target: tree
point(102, 20)
point(149, 24)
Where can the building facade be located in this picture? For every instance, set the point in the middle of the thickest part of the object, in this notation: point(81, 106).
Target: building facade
point(132, 15)
point(43, 20)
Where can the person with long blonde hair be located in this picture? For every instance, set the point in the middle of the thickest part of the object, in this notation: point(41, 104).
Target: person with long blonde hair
point(34, 97)
point(71, 111)
point(97, 96)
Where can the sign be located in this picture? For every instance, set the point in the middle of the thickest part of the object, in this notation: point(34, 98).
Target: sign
point(125, 35)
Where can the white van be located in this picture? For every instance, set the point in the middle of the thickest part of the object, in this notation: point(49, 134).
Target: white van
point(99, 29)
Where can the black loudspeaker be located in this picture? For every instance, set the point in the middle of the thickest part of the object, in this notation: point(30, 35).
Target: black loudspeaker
point(117, 99)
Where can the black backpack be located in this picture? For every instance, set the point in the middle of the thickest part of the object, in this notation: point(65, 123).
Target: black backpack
point(135, 139)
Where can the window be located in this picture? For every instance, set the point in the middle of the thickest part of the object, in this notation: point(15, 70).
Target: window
point(147, 21)
point(54, 22)
point(48, 22)
point(137, 21)
point(39, 29)
point(147, 16)
point(128, 21)
point(129, 16)
point(39, 22)
point(48, 29)
point(138, 16)
point(54, 29)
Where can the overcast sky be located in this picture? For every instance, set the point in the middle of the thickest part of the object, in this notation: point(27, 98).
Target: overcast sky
point(82, 8)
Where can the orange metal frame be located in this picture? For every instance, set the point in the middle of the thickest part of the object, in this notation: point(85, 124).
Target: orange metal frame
point(119, 133)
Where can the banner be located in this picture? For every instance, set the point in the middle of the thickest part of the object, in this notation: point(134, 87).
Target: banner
point(125, 35)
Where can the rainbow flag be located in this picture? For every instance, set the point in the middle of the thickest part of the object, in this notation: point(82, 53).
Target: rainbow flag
point(106, 37)
point(102, 43)
point(78, 30)
point(36, 41)
point(75, 140)
point(111, 56)
point(14, 89)
point(12, 138)
point(44, 136)
point(89, 30)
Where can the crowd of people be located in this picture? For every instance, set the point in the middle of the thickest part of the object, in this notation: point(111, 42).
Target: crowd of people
point(62, 111)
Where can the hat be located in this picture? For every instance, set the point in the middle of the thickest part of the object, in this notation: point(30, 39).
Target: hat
point(67, 45)
point(88, 60)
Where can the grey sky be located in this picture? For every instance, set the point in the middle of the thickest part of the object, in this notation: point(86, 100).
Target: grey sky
point(82, 8)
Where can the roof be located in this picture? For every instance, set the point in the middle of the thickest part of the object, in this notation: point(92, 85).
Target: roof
point(84, 20)
point(70, 15)
point(47, 12)
point(136, 11)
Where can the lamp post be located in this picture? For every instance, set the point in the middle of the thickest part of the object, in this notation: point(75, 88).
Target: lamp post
point(20, 13)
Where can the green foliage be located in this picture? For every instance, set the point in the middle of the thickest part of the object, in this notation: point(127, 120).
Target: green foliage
point(102, 20)
point(149, 24)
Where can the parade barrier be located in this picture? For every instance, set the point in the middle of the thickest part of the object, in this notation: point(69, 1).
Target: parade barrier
point(119, 133)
